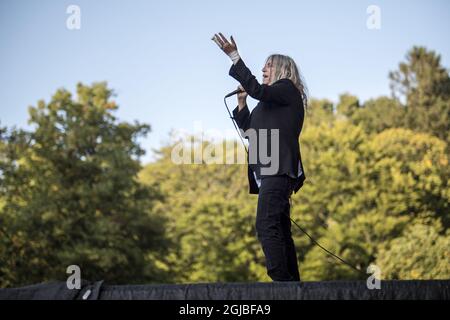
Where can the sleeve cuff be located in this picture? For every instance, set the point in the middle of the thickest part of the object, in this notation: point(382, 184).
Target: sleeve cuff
point(237, 70)
point(238, 115)
point(234, 56)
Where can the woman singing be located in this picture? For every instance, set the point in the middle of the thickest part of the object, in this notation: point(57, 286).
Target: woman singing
point(279, 115)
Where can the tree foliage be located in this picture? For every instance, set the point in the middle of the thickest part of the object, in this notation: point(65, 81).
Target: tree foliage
point(377, 192)
point(70, 195)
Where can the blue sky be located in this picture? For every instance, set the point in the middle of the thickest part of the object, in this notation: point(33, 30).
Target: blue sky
point(165, 70)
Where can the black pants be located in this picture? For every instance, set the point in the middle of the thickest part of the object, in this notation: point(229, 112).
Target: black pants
point(273, 227)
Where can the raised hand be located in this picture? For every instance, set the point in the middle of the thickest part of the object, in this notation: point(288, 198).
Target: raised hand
point(224, 44)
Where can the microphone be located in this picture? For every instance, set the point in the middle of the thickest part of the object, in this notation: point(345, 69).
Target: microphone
point(233, 93)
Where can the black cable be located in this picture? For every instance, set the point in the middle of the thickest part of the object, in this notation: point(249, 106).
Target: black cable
point(290, 205)
point(319, 245)
point(232, 120)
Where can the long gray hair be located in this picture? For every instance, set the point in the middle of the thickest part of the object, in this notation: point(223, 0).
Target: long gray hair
point(286, 68)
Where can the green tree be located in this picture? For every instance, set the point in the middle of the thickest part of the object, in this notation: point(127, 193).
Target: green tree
point(366, 190)
point(424, 86)
point(361, 192)
point(210, 215)
point(421, 78)
point(377, 191)
point(379, 114)
point(71, 197)
point(347, 105)
point(319, 111)
point(422, 252)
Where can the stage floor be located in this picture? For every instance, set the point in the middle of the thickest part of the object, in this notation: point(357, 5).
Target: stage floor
point(324, 290)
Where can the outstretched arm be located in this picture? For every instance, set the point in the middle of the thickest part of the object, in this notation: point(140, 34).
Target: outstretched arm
point(277, 92)
point(241, 114)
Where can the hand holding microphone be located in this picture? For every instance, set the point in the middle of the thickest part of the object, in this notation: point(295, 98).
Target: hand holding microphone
point(240, 91)
point(242, 97)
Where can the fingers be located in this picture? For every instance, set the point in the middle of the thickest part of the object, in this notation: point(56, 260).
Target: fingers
point(217, 40)
point(225, 41)
point(220, 40)
point(243, 93)
point(232, 41)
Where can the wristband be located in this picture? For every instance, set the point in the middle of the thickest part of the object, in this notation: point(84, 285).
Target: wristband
point(234, 56)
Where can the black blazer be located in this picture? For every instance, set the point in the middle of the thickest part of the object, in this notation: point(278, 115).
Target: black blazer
point(280, 107)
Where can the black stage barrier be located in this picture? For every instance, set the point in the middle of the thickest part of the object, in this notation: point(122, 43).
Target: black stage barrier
point(326, 290)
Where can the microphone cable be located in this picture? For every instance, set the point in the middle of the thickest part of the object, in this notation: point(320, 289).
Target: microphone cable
point(320, 246)
point(233, 120)
point(290, 206)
